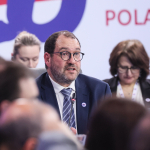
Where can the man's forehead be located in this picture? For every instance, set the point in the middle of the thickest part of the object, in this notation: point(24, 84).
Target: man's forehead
point(62, 39)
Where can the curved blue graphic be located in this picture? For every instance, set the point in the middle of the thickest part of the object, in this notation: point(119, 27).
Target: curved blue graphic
point(19, 14)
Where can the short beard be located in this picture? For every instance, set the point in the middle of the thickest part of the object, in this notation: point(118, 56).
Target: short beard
point(58, 76)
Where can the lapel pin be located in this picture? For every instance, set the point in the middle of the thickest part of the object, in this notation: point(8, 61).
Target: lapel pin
point(83, 104)
point(147, 99)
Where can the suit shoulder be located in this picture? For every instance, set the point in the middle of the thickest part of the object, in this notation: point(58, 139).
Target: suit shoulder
point(40, 78)
point(92, 80)
point(111, 80)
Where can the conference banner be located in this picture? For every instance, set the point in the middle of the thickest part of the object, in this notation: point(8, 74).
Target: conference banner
point(98, 24)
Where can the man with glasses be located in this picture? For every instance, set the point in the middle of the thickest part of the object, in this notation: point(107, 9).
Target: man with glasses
point(72, 94)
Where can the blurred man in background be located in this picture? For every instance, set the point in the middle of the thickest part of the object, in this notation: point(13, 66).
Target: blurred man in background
point(16, 81)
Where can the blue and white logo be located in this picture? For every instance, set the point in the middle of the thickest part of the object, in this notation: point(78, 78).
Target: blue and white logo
point(19, 16)
point(83, 104)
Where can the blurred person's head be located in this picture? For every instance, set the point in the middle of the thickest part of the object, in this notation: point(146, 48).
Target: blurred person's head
point(16, 81)
point(2, 64)
point(112, 123)
point(140, 138)
point(2, 60)
point(129, 61)
point(24, 120)
point(26, 49)
point(63, 57)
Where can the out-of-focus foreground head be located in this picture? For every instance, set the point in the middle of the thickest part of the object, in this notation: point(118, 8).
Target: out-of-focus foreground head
point(16, 81)
point(112, 123)
point(23, 121)
point(26, 49)
point(2, 63)
point(140, 139)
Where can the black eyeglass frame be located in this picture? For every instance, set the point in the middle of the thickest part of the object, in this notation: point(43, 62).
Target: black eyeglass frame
point(69, 55)
point(131, 69)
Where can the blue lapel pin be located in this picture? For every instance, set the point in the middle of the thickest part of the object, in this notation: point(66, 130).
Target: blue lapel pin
point(147, 99)
point(83, 104)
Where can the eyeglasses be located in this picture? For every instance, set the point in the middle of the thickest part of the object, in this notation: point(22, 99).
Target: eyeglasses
point(123, 69)
point(65, 55)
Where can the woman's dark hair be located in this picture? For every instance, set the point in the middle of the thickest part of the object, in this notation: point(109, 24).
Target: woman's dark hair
point(135, 52)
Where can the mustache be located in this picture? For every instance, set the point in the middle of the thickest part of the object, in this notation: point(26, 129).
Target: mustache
point(70, 65)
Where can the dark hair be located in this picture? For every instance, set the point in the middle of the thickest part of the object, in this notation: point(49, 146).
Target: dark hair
point(141, 135)
point(9, 80)
point(14, 134)
point(112, 123)
point(50, 43)
point(135, 52)
point(2, 60)
point(2, 64)
point(24, 39)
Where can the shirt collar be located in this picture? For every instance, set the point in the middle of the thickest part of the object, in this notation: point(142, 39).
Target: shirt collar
point(58, 87)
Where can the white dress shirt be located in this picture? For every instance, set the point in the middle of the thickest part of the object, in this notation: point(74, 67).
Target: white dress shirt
point(60, 96)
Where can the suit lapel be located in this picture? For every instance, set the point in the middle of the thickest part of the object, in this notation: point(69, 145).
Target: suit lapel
point(48, 94)
point(82, 105)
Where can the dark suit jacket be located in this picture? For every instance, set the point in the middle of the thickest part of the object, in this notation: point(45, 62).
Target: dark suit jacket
point(145, 88)
point(88, 90)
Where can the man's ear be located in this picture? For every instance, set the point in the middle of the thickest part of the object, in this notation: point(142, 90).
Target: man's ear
point(47, 58)
point(30, 144)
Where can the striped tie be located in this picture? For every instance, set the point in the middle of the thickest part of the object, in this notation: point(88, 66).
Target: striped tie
point(67, 108)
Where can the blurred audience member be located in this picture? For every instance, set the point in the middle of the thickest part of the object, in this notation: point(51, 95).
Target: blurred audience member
point(2, 63)
point(129, 65)
point(55, 140)
point(26, 49)
point(112, 123)
point(16, 81)
point(23, 121)
point(140, 139)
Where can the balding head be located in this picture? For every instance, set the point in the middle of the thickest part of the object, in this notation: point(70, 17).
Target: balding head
point(23, 121)
point(29, 108)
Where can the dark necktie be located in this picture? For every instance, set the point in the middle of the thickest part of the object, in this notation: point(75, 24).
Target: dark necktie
point(67, 108)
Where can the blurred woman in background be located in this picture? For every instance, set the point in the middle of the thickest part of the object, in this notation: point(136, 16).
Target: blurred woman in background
point(129, 66)
point(26, 49)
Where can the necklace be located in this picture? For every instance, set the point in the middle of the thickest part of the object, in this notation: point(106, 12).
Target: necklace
point(133, 93)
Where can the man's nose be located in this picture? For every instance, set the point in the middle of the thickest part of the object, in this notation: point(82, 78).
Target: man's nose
point(71, 60)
